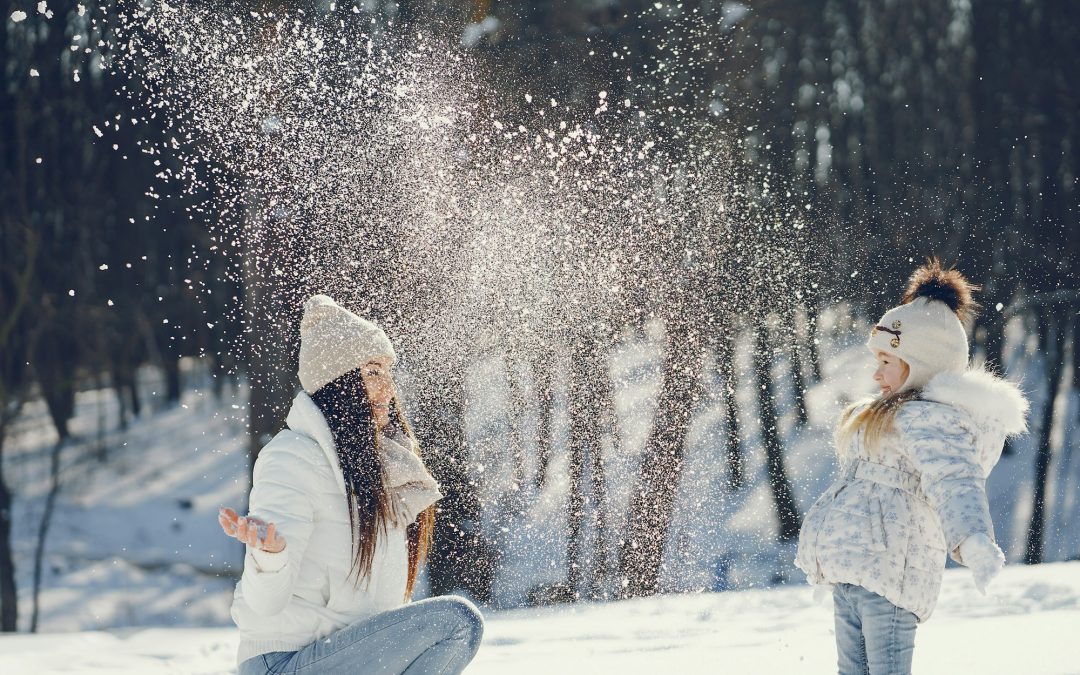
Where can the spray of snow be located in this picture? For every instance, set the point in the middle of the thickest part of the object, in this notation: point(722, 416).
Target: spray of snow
point(385, 170)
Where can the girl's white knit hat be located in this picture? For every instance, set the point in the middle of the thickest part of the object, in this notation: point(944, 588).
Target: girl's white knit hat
point(927, 335)
point(334, 341)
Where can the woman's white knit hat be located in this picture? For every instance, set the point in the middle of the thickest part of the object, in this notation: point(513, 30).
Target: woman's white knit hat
point(334, 341)
point(926, 331)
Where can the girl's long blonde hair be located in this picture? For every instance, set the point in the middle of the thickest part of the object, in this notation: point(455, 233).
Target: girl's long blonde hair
point(934, 282)
point(874, 421)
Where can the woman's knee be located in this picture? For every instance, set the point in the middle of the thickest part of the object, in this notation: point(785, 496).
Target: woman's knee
point(464, 614)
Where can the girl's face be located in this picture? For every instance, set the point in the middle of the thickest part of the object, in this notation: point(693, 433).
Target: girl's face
point(891, 373)
point(379, 387)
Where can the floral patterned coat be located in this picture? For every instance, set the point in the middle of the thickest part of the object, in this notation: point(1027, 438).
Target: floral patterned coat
point(893, 513)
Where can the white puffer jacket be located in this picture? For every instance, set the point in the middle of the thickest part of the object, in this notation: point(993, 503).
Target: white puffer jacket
point(289, 599)
point(888, 520)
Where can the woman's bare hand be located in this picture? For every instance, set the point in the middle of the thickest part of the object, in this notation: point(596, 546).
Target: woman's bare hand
point(252, 531)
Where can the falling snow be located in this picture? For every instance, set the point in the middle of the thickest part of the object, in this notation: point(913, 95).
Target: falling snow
point(394, 177)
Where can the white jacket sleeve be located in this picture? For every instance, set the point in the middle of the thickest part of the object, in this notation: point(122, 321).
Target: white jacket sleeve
point(942, 446)
point(280, 494)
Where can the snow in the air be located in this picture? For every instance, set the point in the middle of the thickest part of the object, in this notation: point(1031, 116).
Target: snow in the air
point(507, 235)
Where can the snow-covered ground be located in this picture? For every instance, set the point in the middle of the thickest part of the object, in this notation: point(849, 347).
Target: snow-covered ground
point(1028, 624)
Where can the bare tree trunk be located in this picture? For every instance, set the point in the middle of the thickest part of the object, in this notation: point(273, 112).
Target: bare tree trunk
point(1052, 338)
point(13, 376)
point(588, 390)
point(218, 375)
point(56, 378)
point(1075, 351)
point(517, 442)
point(461, 557)
point(101, 451)
point(9, 597)
point(813, 313)
point(43, 527)
point(994, 340)
point(122, 378)
point(786, 510)
point(270, 385)
point(652, 502)
point(725, 363)
point(994, 348)
point(605, 393)
point(272, 310)
point(173, 384)
point(575, 507)
point(798, 381)
point(545, 394)
point(1071, 443)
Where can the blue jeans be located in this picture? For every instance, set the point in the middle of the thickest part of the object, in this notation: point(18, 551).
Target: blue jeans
point(873, 636)
point(436, 636)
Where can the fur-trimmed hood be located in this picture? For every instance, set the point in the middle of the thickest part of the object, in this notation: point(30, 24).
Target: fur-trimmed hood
point(993, 403)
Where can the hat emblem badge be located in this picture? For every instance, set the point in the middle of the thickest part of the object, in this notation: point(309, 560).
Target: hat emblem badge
point(894, 331)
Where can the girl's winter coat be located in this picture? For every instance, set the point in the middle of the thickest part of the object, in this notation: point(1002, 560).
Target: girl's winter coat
point(895, 510)
point(287, 600)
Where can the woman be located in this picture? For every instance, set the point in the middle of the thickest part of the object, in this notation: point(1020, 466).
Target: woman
point(341, 515)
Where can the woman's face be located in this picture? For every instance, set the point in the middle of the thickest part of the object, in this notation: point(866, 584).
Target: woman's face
point(891, 373)
point(379, 387)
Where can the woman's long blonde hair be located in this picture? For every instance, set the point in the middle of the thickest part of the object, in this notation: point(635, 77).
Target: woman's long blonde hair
point(874, 420)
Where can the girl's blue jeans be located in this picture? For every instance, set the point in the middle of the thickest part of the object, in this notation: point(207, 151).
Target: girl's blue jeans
point(873, 636)
point(437, 636)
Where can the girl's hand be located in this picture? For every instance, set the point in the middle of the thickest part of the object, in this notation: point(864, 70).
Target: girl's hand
point(983, 557)
point(251, 531)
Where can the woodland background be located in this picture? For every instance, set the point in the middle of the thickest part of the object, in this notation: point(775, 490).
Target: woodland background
point(899, 130)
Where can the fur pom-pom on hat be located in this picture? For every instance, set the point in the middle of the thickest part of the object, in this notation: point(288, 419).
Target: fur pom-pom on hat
point(934, 282)
point(927, 330)
point(334, 341)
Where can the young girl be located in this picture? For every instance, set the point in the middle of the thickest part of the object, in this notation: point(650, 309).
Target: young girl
point(341, 514)
point(913, 468)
